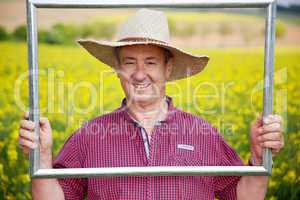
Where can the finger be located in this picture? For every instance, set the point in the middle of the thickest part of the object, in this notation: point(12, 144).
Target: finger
point(25, 149)
point(260, 117)
point(272, 119)
point(28, 135)
point(26, 115)
point(272, 136)
point(27, 143)
point(274, 127)
point(275, 151)
point(26, 124)
point(45, 122)
point(259, 121)
point(272, 144)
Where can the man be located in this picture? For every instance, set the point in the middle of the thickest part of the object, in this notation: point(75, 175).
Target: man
point(147, 130)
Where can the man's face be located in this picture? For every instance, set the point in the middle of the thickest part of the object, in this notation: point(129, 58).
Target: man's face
point(143, 72)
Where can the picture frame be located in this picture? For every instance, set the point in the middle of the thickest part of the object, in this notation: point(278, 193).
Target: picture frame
point(34, 169)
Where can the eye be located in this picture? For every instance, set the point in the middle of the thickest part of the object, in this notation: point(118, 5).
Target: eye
point(129, 64)
point(151, 63)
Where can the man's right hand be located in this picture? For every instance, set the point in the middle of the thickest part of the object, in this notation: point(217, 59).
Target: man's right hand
point(41, 188)
point(28, 141)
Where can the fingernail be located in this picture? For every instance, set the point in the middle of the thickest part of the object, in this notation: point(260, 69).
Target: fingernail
point(266, 120)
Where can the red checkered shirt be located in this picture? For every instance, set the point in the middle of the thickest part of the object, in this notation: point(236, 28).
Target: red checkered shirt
point(116, 140)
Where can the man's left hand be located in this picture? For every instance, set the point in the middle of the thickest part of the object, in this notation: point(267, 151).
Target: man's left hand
point(266, 133)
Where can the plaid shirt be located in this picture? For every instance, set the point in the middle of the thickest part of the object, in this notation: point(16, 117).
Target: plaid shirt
point(116, 140)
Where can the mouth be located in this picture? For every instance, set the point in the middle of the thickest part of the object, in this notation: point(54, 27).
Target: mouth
point(141, 86)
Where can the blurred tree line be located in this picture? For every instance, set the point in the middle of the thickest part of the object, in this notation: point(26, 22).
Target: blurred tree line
point(62, 33)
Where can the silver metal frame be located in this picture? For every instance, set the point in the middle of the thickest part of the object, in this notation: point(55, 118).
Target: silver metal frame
point(36, 172)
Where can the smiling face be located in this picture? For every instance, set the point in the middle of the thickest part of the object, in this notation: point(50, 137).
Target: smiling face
point(143, 72)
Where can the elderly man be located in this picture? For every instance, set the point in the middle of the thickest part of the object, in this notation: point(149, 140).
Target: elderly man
point(147, 130)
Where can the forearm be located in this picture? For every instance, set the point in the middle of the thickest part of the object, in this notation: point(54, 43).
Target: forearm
point(44, 189)
point(252, 187)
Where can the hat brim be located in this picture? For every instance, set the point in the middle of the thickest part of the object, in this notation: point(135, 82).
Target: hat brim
point(184, 63)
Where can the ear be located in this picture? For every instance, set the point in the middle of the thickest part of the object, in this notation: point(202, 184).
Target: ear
point(169, 68)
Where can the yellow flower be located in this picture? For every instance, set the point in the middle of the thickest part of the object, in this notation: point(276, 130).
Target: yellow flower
point(290, 176)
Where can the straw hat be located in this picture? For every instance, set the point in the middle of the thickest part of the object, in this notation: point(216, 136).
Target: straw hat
point(146, 27)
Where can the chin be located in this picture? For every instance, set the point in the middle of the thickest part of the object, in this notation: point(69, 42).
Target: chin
point(143, 98)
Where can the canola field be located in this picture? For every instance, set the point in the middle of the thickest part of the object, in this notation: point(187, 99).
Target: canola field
point(74, 87)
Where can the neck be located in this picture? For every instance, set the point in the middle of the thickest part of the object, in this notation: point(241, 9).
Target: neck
point(148, 113)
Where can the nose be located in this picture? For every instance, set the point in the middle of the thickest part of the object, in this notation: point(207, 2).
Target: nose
point(139, 74)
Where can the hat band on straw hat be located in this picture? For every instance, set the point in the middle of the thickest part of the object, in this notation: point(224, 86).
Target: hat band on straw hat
point(140, 39)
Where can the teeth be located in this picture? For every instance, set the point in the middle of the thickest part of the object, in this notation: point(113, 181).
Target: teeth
point(141, 86)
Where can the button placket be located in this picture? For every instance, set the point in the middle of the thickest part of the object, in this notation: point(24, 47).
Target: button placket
point(147, 148)
point(145, 141)
point(152, 161)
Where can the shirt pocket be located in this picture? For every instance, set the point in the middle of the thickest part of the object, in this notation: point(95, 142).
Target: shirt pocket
point(184, 154)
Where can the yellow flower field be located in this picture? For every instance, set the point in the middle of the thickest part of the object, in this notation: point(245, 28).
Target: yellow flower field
point(75, 87)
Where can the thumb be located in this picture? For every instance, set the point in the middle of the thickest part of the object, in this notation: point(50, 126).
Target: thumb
point(44, 123)
point(259, 120)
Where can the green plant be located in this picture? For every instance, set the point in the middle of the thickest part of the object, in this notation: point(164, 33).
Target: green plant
point(4, 35)
point(20, 33)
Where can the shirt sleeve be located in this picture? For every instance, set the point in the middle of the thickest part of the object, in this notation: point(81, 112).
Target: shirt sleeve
point(69, 157)
point(225, 186)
